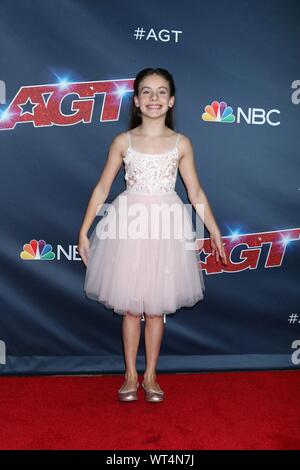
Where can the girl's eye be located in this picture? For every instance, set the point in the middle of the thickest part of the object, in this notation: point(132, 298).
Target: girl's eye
point(162, 91)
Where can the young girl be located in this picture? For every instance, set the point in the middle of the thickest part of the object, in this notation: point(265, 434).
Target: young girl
point(152, 275)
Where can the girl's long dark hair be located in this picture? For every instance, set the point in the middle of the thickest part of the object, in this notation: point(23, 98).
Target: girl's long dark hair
point(135, 114)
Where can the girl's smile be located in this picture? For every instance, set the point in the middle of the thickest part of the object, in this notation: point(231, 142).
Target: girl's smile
point(154, 106)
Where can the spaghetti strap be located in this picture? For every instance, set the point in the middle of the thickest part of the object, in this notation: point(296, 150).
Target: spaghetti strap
point(177, 139)
point(129, 138)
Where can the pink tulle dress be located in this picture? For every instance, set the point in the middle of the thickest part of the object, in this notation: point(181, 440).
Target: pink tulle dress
point(142, 257)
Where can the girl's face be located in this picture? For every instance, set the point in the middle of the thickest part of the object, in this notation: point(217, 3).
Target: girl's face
point(154, 96)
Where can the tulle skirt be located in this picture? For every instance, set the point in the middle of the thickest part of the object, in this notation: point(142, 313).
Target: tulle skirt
point(142, 257)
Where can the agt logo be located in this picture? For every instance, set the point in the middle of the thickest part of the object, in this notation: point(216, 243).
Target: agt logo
point(65, 103)
point(220, 112)
point(244, 251)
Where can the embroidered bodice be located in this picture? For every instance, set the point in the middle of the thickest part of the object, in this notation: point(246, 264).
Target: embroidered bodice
point(151, 173)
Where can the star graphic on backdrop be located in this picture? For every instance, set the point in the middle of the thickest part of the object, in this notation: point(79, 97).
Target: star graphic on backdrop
point(203, 256)
point(28, 104)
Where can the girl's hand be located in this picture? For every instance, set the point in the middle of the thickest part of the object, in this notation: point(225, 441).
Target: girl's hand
point(217, 246)
point(83, 248)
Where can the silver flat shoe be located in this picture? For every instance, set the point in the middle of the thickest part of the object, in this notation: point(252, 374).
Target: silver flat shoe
point(128, 395)
point(153, 395)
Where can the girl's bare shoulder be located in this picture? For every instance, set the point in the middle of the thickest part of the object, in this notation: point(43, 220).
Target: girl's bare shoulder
point(184, 144)
point(184, 139)
point(120, 143)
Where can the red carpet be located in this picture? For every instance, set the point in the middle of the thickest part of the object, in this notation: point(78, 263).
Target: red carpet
point(220, 410)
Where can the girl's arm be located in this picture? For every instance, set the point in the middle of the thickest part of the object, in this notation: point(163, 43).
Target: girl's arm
point(101, 191)
point(197, 195)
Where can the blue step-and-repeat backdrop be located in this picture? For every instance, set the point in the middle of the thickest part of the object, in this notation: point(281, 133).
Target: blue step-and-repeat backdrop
point(66, 78)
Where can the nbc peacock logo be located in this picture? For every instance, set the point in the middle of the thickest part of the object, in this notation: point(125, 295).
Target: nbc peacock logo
point(218, 112)
point(37, 250)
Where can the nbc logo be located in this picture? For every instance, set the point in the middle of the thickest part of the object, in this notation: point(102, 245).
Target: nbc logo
point(220, 112)
point(37, 250)
point(40, 250)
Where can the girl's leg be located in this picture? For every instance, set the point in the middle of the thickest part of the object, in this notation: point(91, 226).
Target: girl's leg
point(153, 336)
point(131, 331)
